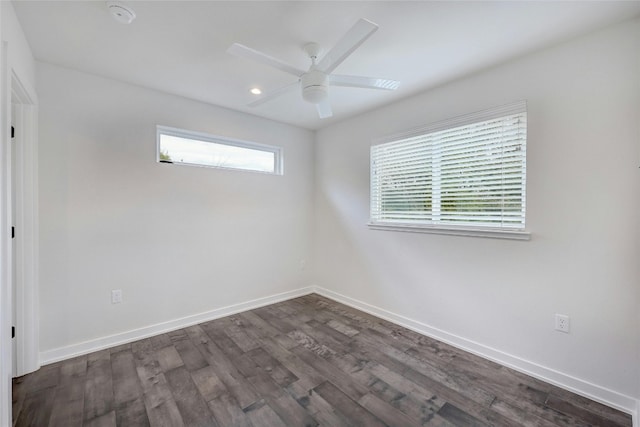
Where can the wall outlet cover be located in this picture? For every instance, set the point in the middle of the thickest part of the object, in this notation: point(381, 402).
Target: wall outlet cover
point(116, 296)
point(562, 323)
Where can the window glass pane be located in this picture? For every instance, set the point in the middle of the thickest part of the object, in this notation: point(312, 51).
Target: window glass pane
point(219, 153)
point(471, 175)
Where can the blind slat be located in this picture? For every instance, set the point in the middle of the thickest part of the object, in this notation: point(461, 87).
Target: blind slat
point(465, 175)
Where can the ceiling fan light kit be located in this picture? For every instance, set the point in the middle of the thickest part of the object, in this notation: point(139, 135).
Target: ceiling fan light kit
point(314, 83)
point(315, 86)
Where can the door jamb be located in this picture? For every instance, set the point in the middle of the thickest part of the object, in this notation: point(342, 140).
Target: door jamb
point(26, 226)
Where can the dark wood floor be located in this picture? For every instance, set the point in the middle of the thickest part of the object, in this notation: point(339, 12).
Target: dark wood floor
point(304, 362)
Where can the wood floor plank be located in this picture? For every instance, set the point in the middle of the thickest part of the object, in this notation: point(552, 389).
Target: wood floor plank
point(591, 406)
point(577, 412)
point(522, 416)
point(217, 334)
point(414, 403)
point(132, 413)
point(305, 373)
point(311, 344)
point(459, 417)
point(474, 408)
point(264, 416)
point(119, 348)
point(192, 407)
point(281, 375)
point(287, 408)
point(304, 362)
point(256, 322)
point(233, 380)
point(227, 412)
point(338, 378)
point(179, 335)
point(385, 412)
point(438, 421)
point(68, 406)
point(160, 341)
point(45, 377)
point(291, 412)
point(168, 358)
point(313, 403)
point(154, 384)
point(342, 328)
point(37, 408)
point(189, 354)
point(98, 391)
point(158, 400)
point(208, 383)
point(73, 370)
point(18, 394)
point(126, 384)
point(164, 413)
point(105, 420)
point(342, 403)
point(275, 321)
point(438, 375)
point(235, 329)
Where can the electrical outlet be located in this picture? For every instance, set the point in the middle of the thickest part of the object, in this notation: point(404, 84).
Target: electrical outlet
point(116, 296)
point(562, 323)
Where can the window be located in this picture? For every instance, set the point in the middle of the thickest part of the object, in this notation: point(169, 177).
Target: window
point(198, 149)
point(461, 176)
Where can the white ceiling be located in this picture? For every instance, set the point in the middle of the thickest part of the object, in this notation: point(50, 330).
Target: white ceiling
point(179, 47)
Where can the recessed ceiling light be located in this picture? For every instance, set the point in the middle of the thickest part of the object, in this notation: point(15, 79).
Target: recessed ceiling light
point(121, 13)
point(255, 91)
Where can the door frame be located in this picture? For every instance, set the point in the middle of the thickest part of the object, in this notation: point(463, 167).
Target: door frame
point(27, 214)
point(6, 353)
point(25, 298)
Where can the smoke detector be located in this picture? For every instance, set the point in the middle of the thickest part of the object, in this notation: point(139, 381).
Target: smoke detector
point(121, 13)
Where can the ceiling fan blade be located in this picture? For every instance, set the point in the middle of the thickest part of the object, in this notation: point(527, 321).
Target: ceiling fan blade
point(363, 82)
point(324, 109)
point(347, 44)
point(273, 94)
point(243, 51)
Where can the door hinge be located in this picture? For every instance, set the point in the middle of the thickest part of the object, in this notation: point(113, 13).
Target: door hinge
point(13, 332)
point(13, 132)
point(13, 232)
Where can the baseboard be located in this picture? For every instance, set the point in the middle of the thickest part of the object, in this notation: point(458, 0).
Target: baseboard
point(592, 391)
point(67, 352)
point(584, 388)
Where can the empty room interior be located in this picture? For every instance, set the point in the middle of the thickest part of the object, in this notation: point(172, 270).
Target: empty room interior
point(302, 213)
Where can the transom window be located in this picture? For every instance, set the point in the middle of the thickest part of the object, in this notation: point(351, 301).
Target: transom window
point(459, 175)
point(199, 149)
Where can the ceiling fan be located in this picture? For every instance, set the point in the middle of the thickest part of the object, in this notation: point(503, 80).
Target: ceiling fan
point(314, 83)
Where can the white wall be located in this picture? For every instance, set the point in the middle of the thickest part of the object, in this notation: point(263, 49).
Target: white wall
point(177, 240)
point(499, 297)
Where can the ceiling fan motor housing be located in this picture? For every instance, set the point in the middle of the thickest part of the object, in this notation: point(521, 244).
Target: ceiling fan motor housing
point(315, 86)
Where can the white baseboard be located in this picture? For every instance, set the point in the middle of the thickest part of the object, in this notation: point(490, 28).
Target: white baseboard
point(592, 391)
point(67, 352)
point(584, 388)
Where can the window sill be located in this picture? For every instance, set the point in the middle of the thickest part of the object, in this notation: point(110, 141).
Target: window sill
point(453, 231)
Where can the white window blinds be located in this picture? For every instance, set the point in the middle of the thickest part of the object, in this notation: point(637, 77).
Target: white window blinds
point(466, 172)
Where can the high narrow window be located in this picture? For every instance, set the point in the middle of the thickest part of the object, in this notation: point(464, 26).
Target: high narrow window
point(465, 173)
point(199, 149)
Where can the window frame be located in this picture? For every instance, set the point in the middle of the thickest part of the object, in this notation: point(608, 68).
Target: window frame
point(450, 229)
point(278, 152)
